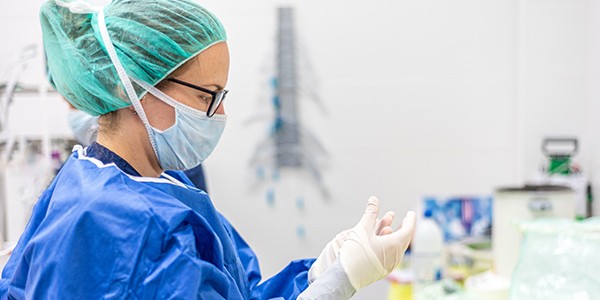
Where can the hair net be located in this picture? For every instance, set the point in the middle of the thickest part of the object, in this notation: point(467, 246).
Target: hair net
point(152, 38)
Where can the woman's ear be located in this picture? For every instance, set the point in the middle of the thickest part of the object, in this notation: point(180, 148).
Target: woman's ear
point(132, 109)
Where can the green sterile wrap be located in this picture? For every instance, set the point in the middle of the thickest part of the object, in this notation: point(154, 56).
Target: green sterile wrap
point(560, 259)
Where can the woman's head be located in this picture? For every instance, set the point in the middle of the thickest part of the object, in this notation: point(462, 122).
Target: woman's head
point(152, 38)
point(208, 70)
point(104, 59)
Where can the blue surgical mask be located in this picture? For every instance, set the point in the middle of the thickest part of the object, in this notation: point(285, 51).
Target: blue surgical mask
point(190, 140)
point(84, 126)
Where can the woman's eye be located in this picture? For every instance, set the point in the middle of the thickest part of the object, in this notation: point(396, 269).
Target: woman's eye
point(205, 99)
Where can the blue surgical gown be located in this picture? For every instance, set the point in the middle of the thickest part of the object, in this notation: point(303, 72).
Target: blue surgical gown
point(99, 232)
point(196, 177)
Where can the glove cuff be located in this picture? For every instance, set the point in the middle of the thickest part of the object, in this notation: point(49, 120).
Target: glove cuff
point(355, 251)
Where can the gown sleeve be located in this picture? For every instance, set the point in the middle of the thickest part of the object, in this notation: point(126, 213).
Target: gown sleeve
point(287, 284)
point(179, 274)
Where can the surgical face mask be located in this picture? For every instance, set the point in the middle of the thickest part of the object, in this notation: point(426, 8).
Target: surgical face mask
point(84, 126)
point(190, 140)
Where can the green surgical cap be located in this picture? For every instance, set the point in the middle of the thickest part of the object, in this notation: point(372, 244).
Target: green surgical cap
point(152, 38)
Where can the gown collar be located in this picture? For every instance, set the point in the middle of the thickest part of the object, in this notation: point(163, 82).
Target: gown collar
point(106, 156)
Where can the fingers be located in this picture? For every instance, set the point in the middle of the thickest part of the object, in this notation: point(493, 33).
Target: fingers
point(369, 218)
point(386, 230)
point(384, 222)
point(406, 231)
point(408, 224)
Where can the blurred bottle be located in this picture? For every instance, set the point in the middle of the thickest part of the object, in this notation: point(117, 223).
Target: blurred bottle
point(427, 255)
point(400, 285)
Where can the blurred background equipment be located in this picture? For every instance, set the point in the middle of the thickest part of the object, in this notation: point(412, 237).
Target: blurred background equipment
point(10, 86)
point(34, 141)
point(290, 154)
point(427, 252)
point(518, 204)
point(561, 169)
point(289, 144)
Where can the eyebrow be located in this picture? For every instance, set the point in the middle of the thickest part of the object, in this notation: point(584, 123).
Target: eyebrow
point(219, 87)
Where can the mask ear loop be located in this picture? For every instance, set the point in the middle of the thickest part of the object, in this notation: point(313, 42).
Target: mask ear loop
point(158, 94)
point(110, 49)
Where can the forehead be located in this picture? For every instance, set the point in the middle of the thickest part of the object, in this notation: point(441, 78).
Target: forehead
point(212, 64)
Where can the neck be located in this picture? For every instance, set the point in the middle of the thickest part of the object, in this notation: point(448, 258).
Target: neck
point(130, 141)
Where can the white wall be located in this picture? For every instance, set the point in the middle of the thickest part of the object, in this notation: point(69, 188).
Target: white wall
point(593, 96)
point(558, 80)
point(423, 97)
point(553, 76)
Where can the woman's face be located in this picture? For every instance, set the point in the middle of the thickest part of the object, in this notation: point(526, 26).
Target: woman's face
point(209, 70)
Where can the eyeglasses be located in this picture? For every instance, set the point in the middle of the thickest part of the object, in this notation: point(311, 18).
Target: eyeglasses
point(216, 97)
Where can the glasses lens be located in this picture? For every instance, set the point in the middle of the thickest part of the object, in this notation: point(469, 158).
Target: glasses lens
point(217, 100)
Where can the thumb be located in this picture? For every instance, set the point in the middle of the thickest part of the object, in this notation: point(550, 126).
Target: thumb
point(369, 218)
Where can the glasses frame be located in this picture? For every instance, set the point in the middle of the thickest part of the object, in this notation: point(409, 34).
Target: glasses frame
point(216, 97)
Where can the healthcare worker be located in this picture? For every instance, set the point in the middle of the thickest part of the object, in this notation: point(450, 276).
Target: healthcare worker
point(120, 220)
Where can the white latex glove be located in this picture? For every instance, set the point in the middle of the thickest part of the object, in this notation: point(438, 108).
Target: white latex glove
point(367, 257)
point(330, 253)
